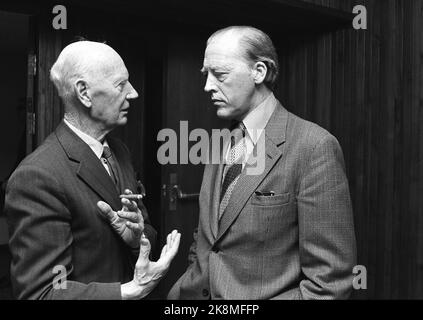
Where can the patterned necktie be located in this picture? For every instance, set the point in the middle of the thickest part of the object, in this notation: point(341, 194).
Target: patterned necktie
point(111, 164)
point(233, 168)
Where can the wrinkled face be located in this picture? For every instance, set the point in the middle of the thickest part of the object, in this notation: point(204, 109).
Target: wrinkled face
point(229, 78)
point(110, 91)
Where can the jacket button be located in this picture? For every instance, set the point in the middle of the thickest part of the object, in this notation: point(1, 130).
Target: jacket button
point(205, 292)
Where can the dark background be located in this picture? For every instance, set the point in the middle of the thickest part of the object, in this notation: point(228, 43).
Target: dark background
point(364, 86)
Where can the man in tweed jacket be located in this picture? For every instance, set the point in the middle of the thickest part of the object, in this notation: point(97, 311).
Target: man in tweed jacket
point(286, 232)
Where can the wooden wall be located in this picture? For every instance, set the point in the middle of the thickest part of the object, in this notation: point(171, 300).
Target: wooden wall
point(366, 87)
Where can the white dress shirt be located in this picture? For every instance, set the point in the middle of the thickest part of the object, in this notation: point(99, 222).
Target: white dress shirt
point(255, 122)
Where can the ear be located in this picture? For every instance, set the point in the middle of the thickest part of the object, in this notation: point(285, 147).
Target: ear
point(259, 72)
point(81, 92)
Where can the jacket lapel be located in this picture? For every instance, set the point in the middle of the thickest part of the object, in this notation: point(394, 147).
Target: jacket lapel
point(90, 169)
point(247, 184)
point(126, 180)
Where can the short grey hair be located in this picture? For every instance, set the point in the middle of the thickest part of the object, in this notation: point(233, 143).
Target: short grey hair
point(258, 47)
point(64, 72)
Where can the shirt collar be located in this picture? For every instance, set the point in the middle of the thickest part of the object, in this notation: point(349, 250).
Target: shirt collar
point(257, 119)
point(95, 145)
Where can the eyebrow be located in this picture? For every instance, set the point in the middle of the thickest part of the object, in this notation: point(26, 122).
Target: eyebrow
point(215, 69)
point(120, 79)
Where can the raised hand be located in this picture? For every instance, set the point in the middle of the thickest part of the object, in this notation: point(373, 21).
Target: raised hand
point(128, 222)
point(147, 274)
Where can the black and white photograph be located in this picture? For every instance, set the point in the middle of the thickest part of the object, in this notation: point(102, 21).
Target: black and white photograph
point(182, 151)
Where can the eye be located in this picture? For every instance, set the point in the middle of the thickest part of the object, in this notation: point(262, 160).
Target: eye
point(221, 76)
point(121, 85)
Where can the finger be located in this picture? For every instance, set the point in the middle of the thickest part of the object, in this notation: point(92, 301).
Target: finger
point(168, 254)
point(125, 203)
point(167, 246)
point(135, 227)
point(129, 215)
point(127, 191)
point(173, 237)
point(175, 245)
point(129, 205)
point(172, 248)
point(164, 250)
point(107, 211)
point(168, 240)
point(145, 248)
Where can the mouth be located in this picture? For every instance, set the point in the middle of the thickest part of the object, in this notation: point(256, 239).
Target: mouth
point(217, 102)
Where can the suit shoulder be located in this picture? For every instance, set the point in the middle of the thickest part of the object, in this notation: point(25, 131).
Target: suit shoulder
point(307, 133)
point(44, 156)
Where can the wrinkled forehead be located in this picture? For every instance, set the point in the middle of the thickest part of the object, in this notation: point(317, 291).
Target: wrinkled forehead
point(224, 49)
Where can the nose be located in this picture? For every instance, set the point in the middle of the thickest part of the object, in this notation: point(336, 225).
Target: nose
point(133, 94)
point(210, 84)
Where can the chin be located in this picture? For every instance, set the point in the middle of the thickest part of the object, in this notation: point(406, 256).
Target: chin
point(223, 113)
point(122, 121)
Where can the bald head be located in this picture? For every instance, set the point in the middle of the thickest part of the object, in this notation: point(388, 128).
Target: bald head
point(93, 82)
point(86, 60)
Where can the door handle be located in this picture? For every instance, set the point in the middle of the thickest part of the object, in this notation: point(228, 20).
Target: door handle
point(177, 193)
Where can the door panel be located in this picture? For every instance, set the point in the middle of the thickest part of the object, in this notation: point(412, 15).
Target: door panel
point(185, 100)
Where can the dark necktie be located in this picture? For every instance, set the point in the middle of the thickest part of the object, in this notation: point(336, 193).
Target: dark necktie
point(111, 164)
point(233, 168)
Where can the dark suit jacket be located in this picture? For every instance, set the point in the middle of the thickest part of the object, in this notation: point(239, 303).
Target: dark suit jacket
point(53, 220)
point(297, 244)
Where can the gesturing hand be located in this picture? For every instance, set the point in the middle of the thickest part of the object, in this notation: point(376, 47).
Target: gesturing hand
point(147, 274)
point(128, 222)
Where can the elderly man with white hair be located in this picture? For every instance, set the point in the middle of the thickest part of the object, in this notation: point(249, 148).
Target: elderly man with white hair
point(71, 234)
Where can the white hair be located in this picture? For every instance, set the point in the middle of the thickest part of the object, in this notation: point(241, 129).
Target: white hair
point(76, 61)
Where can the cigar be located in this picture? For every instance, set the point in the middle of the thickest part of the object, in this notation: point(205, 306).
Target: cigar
point(132, 196)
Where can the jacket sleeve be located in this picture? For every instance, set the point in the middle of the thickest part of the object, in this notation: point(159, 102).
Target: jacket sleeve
point(326, 228)
point(41, 240)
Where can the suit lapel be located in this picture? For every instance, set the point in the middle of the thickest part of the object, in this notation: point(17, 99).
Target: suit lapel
point(247, 184)
point(90, 169)
point(124, 173)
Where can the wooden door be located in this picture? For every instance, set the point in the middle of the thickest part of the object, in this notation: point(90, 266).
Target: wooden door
point(185, 104)
point(30, 86)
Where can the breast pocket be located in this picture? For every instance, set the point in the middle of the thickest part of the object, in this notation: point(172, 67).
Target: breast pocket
point(270, 218)
point(275, 200)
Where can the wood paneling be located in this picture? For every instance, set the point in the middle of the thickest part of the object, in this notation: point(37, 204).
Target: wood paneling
point(366, 88)
point(49, 110)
